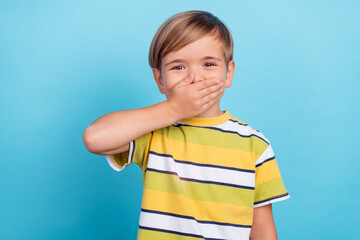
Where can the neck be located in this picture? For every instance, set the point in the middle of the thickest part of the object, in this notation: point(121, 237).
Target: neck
point(213, 111)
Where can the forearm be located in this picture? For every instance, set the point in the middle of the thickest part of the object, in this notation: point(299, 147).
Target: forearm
point(264, 233)
point(263, 227)
point(116, 129)
point(267, 237)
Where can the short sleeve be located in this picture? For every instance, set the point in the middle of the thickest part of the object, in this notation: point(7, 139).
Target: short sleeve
point(269, 186)
point(138, 153)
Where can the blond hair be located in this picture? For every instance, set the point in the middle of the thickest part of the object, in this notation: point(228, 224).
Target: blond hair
point(184, 28)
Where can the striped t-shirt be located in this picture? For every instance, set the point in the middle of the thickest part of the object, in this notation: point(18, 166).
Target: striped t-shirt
point(202, 178)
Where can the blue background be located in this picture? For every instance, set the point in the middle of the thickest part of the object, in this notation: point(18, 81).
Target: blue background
point(63, 64)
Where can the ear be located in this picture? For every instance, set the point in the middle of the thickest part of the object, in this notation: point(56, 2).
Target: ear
point(230, 73)
point(158, 80)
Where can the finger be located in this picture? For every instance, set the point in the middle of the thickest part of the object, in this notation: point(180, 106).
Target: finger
point(185, 81)
point(211, 99)
point(214, 95)
point(206, 83)
point(211, 89)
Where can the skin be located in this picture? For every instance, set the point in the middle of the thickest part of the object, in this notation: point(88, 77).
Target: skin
point(263, 227)
point(201, 60)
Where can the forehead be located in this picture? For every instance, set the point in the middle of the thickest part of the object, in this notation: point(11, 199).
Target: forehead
point(208, 45)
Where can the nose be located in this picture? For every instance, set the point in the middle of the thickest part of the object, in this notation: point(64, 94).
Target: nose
point(198, 76)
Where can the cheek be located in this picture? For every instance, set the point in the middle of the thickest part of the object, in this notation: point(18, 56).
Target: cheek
point(170, 79)
point(218, 74)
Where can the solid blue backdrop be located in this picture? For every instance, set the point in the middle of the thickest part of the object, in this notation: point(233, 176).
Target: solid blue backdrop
point(63, 64)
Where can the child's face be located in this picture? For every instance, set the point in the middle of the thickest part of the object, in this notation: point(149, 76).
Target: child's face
point(203, 57)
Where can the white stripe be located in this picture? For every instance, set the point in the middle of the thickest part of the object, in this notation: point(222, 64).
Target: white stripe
point(271, 201)
point(241, 129)
point(268, 153)
point(190, 226)
point(201, 172)
point(111, 163)
point(114, 166)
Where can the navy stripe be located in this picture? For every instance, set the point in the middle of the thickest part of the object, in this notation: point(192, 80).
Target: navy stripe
point(132, 154)
point(200, 181)
point(199, 221)
point(272, 198)
point(238, 122)
point(178, 233)
point(221, 130)
point(201, 164)
point(266, 160)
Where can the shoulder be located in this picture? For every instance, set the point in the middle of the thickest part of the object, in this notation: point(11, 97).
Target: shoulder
point(246, 130)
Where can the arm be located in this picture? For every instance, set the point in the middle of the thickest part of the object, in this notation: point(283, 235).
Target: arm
point(112, 132)
point(263, 227)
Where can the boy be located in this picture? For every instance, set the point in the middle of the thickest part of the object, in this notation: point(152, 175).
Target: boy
point(206, 174)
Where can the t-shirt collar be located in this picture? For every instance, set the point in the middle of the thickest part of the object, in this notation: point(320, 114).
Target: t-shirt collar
point(211, 121)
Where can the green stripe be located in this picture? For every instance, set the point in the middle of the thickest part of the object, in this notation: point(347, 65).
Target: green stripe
point(141, 150)
point(119, 159)
point(153, 235)
point(198, 191)
point(204, 136)
point(269, 189)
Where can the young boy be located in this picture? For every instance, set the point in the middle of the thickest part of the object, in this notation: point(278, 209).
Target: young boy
point(206, 174)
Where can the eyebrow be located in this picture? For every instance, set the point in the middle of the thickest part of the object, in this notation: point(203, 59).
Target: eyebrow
point(202, 59)
point(210, 58)
point(174, 61)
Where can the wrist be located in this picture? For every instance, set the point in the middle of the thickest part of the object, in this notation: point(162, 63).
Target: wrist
point(171, 111)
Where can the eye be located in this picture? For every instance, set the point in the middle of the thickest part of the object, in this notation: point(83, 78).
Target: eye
point(177, 68)
point(209, 64)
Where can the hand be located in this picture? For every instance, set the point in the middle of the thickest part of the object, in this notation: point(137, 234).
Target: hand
point(188, 98)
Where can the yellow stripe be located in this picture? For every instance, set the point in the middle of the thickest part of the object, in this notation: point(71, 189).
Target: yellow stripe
point(211, 137)
point(266, 172)
point(198, 191)
point(201, 210)
point(154, 235)
point(204, 154)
